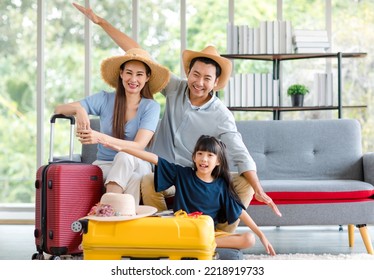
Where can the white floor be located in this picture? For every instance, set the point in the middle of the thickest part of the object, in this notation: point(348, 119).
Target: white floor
point(311, 240)
point(17, 241)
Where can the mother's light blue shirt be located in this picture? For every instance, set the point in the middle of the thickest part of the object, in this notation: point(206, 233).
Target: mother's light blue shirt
point(102, 104)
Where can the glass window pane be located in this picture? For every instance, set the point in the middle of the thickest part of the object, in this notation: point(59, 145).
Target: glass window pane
point(64, 54)
point(64, 69)
point(159, 34)
point(206, 24)
point(252, 12)
point(305, 14)
point(353, 25)
point(17, 100)
point(119, 14)
point(160, 31)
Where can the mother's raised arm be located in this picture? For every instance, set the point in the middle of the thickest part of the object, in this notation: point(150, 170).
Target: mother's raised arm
point(124, 41)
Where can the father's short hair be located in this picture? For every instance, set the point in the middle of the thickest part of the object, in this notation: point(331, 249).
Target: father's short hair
point(207, 60)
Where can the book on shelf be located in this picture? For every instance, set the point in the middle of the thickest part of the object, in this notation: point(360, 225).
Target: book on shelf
point(256, 40)
point(229, 37)
point(237, 92)
point(297, 39)
point(315, 41)
point(243, 40)
point(263, 37)
point(257, 89)
point(276, 36)
point(289, 30)
point(226, 92)
point(269, 90)
point(282, 36)
point(250, 87)
point(263, 89)
point(315, 91)
point(329, 89)
point(250, 44)
point(251, 90)
point(323, 89)
point(310, 50)
point(312, 45)
point(310, 32)
point(235, 46)
point(243, 90)
point(275, 93)
point(270, 37)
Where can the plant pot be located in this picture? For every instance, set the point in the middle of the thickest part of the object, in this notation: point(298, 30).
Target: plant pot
point(297, 100)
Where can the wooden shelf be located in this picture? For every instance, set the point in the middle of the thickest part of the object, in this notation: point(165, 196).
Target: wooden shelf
point(276, 59)
point(304, 108)
point(291, 56)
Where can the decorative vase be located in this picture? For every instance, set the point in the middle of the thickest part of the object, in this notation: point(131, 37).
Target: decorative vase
point(297, 100)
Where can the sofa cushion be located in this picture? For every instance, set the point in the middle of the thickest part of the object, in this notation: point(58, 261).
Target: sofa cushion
point(304, 191)
point(305, 149)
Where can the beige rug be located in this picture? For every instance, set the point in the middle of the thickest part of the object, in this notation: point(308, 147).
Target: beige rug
point(310, 257)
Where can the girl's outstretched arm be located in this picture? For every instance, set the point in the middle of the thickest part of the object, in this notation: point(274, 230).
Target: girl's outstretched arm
point(248, 221)
point(139, 153)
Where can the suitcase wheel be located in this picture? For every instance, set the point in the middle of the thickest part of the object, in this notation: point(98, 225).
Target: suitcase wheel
point(37, 256)
point(76, 226)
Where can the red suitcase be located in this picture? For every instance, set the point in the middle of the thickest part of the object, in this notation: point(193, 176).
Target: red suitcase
point(65, 191)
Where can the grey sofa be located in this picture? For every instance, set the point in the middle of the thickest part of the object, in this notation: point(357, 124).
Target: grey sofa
point(314, 170)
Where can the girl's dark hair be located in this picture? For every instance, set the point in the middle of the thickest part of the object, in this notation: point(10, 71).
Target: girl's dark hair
point(207, 60)
point(120, 102)
point(213, 145)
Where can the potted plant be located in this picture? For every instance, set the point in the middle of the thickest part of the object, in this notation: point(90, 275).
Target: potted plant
point(297, 92)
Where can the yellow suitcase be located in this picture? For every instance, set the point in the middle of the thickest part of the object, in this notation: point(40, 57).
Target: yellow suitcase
point(173, 237)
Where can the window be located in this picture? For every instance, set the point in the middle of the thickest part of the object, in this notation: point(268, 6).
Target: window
point(17, 100)
point(159, 33)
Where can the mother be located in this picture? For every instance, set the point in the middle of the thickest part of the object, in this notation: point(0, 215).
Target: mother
point(128, 117)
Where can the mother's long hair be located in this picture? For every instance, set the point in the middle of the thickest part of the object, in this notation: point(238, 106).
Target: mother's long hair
point(120, 102)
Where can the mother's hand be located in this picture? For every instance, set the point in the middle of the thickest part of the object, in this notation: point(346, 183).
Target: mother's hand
point(89, 13)
point(88, 136)
point(82, 119)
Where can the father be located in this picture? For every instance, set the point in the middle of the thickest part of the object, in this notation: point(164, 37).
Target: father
point(193, 109)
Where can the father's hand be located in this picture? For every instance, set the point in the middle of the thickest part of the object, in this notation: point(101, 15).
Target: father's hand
point(263, 197)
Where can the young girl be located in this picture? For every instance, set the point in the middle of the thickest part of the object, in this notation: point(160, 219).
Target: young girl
point(206, 188)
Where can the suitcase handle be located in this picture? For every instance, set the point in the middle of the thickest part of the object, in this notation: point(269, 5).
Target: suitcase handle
point(183, 214)
point(72, 125)
point(61, 116)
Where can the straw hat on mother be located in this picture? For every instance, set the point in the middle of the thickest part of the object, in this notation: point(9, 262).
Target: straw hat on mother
point(110, 69)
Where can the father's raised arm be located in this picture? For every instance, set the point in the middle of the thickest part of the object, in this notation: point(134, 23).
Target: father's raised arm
point(121, 39)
